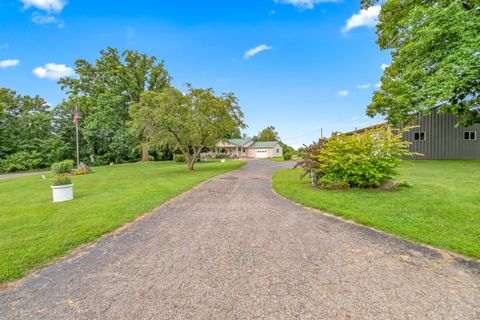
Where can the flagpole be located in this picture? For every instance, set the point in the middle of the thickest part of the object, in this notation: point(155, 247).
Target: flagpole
point(76, 133)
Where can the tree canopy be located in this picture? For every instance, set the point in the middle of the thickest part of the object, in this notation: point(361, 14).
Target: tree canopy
point(268, 134)
point(25, 125)
point(127, 74)
point(34, 134)
point(104, 91)
point(189, 122)
point(435, 49)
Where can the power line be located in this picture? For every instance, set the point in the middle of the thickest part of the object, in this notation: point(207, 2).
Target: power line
point(303, 135)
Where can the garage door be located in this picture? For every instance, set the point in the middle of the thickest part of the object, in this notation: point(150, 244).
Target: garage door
point(261, 153)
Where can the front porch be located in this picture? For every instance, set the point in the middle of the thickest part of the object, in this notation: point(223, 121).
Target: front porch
point(232, 152)
point(233, 148)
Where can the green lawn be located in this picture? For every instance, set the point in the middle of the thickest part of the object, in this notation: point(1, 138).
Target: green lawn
point(34, 231)
point(276, 159)
point(441, 207)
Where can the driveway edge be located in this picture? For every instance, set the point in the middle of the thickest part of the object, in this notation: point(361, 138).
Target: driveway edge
point(469, 264)
point(12, 284)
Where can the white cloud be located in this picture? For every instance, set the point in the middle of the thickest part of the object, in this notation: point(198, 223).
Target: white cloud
point(378, 85)
point(46, 5)
point(9, 63)
point(384, 66)
point(363, 86)
point(343, 93)
point(250, 53)
point(303, 4)
point(366, 17)
point(50, 6)
point(272, 12)
point(53, 71)
point(40, 19)
point(4, 46)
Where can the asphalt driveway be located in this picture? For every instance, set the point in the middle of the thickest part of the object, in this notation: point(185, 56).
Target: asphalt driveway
point(232, 249)
point(22, 174)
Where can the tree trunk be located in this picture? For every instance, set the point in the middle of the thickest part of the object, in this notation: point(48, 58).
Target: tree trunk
point(313, 178)
point(190, 162)
point(144, 152)
point(190, 166)
point(191, 157)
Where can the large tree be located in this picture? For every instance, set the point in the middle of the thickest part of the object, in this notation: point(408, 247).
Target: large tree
point(189, 122)
point(104, 132)
point(25, 125)
point(104, 92)
point(268, 134)
point(435, 49)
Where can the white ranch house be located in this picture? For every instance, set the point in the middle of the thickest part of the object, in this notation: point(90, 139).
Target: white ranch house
point(247, 148)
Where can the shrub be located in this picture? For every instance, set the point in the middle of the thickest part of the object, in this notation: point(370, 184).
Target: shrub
point(308, 160)
point(300, 152)
point(103, 160)
point(220, 156)
point(363, 160)
point(163, 155)
point(62, 167)
point(287, 156)
point(178, 158)
point(21, 161)
point(61, 179)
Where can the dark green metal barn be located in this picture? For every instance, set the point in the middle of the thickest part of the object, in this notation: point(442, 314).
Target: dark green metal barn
point(438, 138)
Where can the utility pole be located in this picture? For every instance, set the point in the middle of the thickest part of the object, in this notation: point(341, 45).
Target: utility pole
point(321, 133)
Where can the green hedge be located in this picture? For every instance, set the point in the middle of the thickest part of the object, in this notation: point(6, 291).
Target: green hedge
point(21, 161)
point(62, 167)
point(178, 158)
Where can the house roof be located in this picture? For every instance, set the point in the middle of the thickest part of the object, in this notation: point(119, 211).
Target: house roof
point(239, 142)
point(264, 144)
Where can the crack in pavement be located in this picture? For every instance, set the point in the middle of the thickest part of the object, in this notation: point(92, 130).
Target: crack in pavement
point(233, 249)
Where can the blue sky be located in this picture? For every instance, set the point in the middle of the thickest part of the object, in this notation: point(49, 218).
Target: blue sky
point(299, 65)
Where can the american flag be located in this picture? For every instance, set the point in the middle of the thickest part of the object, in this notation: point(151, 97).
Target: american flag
point(75, 116)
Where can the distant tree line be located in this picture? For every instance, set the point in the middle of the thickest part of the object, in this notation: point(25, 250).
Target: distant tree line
point(34, 134)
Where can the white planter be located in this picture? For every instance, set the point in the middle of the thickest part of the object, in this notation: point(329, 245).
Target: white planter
point(62, 193)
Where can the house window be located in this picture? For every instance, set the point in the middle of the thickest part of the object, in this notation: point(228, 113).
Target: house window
point(278, 150)
point(470, 135)
point(419, 136)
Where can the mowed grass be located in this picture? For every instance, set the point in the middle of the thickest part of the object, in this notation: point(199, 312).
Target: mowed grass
point(34, 230)
point(276, 159)
point(441, 207)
